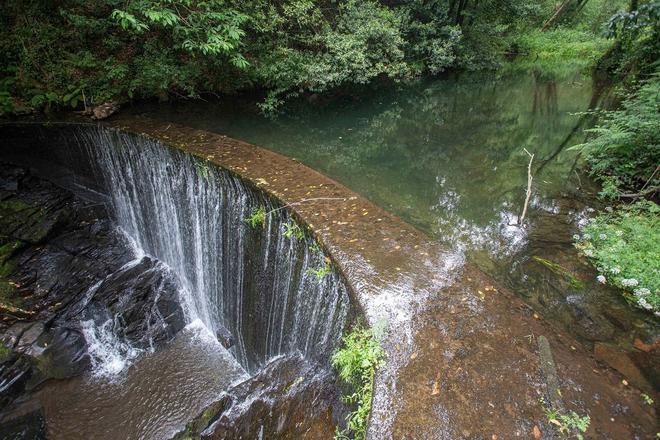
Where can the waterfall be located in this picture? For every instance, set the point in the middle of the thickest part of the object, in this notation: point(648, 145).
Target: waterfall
point(253, 282)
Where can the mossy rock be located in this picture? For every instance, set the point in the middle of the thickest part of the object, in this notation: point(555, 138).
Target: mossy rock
point(8, 294)
point(22, 221)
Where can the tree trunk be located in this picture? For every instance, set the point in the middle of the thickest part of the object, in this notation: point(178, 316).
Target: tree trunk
point(550, 21)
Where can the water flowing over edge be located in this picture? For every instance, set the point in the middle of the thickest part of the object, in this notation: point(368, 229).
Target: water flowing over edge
point(254, 282)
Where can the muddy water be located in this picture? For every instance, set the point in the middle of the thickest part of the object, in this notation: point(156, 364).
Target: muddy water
point(154, 398)
point(448, 157)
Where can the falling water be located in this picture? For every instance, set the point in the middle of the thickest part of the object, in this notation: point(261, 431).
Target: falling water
point(253, 282)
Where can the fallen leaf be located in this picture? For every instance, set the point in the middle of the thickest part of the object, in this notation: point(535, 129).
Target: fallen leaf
point(537, 432)
point(436, 388)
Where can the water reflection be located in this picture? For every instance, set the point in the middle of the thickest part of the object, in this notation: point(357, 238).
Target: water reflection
point(448, 157)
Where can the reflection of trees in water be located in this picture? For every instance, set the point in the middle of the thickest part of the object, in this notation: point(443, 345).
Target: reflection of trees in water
point(469, 133)
point(545, 96)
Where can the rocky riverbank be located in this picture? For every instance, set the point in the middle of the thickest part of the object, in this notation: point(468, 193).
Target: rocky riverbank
point(68, 275)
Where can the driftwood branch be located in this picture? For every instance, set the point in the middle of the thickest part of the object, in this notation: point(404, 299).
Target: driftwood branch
point(644, 193)
point(529, 187)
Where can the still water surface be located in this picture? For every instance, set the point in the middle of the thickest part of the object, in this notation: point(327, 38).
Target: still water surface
point(448, 156)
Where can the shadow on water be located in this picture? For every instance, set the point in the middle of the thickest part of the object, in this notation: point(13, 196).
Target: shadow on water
point(448, 157)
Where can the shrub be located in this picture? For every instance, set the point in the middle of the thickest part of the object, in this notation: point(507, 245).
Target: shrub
point(257, 218)
point(623, 245)
point(624, 150)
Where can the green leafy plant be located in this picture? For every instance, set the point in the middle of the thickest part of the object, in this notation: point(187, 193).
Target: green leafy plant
point(257, 218)
point(356, 362)
point(568, 424)
point(203, 170)
point(320, 272)
point(623, 149)
point(647, 399)
point(623, 245)
point(291, 229)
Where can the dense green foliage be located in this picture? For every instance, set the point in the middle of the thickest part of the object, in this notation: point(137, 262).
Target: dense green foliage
point(356, 363)
point(624, 149)
point(623, 245)
point(74, 53)
point(576, 41)
point(637, 33)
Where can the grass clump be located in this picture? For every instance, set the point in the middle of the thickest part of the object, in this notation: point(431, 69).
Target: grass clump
point(559, 52)
point(560, 270)
point(356, 363)
point(5, 352)
point(257, 218)
point(203, 170)
point(623, 245)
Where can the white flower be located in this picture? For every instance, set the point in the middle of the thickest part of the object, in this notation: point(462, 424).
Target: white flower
point(590, 209)
point(642, 302)
point(619, 233)
point(587, 236)
point(615, 270)
point(588, 252)
point(643, 291)
point(629, 282)
point(601, 279)
point(602, 236)
point(576, 237)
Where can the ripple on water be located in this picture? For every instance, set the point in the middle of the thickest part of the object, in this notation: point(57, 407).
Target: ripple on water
point(152, 399)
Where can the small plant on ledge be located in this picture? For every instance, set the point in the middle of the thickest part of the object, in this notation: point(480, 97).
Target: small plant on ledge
point(257, 218)
point(569, 424)
point(291, 229)
point(356, 363)
point(322, 271)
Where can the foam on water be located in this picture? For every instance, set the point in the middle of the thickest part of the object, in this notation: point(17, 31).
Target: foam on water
point(110, 354)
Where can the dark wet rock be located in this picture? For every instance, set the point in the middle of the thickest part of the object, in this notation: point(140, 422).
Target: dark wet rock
point(289, 397)
point(60, 354)
point(30, 336)
point(15, 371)
point(62, 261)
point(30, 426)
point(225, 338)
point(11, 336)
point(144, 297)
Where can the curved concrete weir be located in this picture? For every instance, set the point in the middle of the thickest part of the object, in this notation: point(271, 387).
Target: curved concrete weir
point(462, 353)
